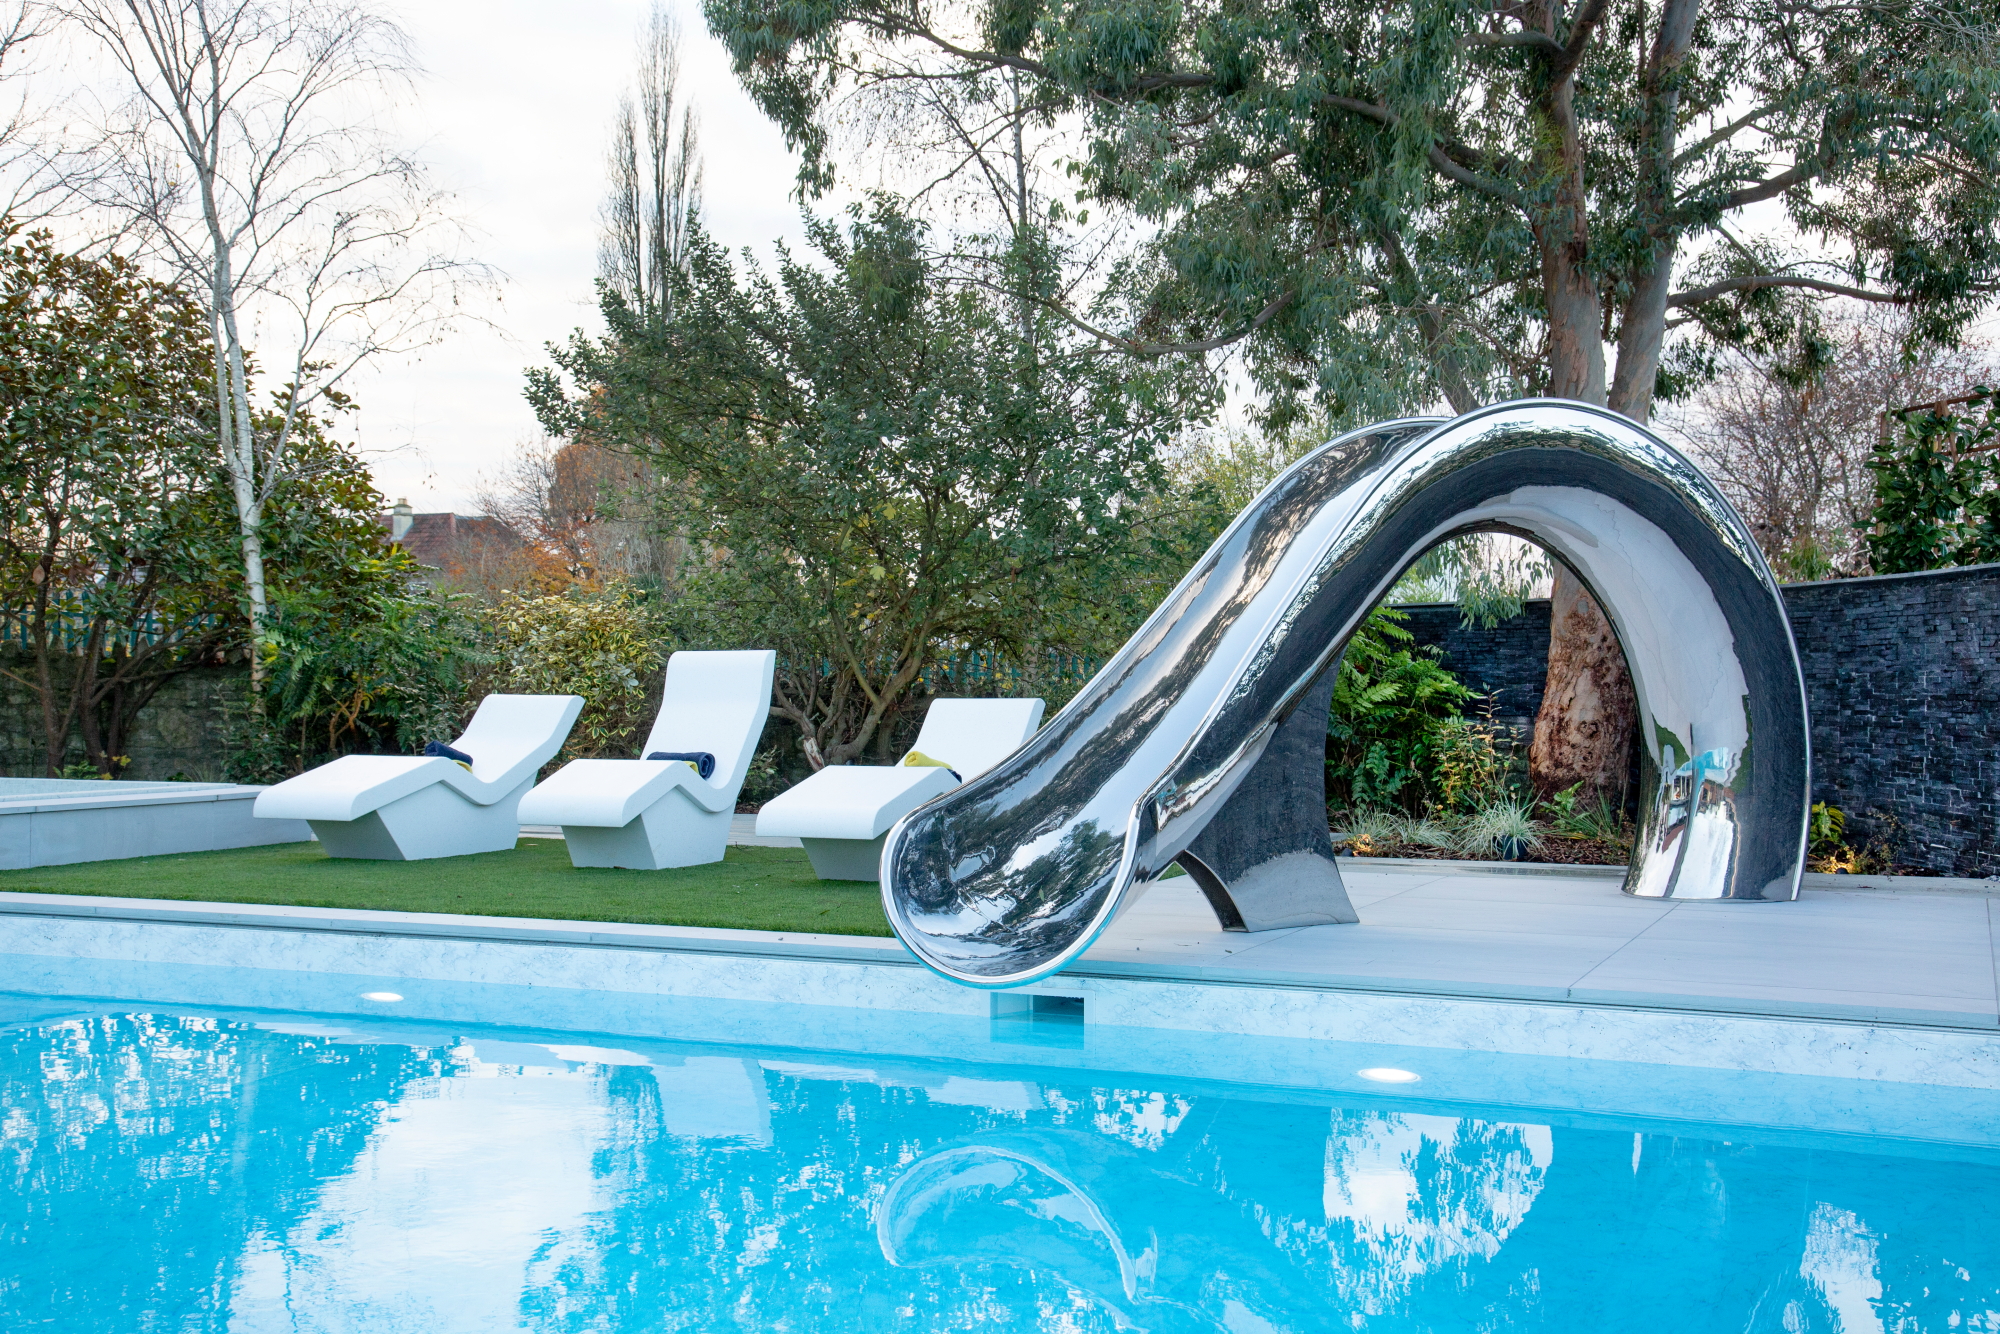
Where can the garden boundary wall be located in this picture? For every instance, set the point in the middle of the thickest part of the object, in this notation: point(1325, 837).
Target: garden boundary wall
point(1902, 679)
point(185, 732)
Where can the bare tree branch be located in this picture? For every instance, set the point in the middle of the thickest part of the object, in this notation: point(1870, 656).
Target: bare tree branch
point(1754, 282)
point(241, 150)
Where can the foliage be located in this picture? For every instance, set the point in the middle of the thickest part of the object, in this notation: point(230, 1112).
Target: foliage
point(1825, 828)
point(1788, 437)
point(1827, 848)
point(1500, 830)
point(603, 643)
point(109, 558)
point(1447, 198)
point(881, 467)
point(359, 655)
point(1937, 491)
point(1391, 706)
point(1467, 763)
point(1571, 816)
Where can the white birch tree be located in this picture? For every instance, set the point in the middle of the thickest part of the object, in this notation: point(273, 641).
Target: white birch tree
point(246, 145)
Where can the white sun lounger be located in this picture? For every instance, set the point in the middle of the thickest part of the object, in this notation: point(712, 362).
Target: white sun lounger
point(843, 812)
point(412, 807)
point(652, 814)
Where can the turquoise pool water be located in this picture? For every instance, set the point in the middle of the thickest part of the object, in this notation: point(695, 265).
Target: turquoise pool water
point(168, 1168)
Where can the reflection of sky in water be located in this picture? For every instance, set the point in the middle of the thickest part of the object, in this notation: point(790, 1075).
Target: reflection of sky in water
point(197, 1175)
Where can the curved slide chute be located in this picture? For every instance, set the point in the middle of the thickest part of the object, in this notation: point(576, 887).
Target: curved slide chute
point(1202, 739)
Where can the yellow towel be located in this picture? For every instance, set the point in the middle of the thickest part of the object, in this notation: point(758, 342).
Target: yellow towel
point(918, 759)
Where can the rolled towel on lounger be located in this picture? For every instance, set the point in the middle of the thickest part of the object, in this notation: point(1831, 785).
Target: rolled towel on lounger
point(703, 762)
point(442, 751)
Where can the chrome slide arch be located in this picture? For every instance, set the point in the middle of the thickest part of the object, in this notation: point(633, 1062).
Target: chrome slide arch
point(1200, 741)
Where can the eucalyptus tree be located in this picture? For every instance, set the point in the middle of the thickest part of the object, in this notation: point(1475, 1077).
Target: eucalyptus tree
point(1468, 199)
point(246, 143)
point(875, 468)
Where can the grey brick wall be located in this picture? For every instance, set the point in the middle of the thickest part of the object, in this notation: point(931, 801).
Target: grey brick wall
point(1903, 682)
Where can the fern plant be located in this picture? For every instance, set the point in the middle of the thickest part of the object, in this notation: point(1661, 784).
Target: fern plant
point(1391, 705)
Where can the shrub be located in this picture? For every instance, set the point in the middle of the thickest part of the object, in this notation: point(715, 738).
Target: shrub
point(1468, 766)
point(605, 643)
point(1503, 830)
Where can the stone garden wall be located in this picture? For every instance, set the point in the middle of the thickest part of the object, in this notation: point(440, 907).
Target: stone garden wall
point(1903, 682)
point(184, 731)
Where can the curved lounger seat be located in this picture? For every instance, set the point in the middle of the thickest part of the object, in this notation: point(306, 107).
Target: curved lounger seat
point(843, 812)
point(648, 815)
point(1185, 746)
point(409, 808)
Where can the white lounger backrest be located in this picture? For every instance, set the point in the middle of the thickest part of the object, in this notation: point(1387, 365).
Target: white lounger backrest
point(715, 701)
point(511, 736)
point(973, 735)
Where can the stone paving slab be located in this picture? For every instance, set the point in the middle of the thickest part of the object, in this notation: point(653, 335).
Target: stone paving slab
point(1462, 929)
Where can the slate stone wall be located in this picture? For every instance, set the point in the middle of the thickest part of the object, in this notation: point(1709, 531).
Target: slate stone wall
point(1509, 661)
point(1903, 682)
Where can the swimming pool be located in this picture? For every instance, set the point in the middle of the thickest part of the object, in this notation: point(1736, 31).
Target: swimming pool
point(167, 1167)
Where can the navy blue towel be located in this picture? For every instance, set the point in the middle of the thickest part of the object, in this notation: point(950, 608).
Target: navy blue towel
point(703, 762)
point(443, 751)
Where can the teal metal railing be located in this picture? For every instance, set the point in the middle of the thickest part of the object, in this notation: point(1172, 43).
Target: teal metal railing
point(70, 630)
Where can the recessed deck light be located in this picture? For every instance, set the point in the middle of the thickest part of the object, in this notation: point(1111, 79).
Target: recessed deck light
point(392, 996)
point(1383, 1074)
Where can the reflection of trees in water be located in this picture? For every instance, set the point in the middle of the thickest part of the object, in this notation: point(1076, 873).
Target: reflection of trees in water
point(1406, 1195)
point(142, 1158)
point(141, 1154)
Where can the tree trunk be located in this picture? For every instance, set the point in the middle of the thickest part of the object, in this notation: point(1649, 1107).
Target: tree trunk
point(1584, 731)
point(239, 454)
point(1589, 715)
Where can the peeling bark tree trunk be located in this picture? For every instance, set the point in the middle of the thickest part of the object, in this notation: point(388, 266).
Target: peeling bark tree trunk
point(1589, 714)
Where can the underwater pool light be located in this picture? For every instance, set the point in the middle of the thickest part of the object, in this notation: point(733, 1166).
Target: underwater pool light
point(1384, 1074)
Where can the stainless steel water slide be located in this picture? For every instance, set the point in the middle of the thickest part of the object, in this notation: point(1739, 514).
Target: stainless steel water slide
point(1202, 740)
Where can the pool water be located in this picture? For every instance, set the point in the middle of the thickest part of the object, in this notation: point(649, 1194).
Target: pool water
point(170, 1169)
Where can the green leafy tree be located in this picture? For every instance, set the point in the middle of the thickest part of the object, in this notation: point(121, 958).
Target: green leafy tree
point(1385, 205)
point(883, 467)
point(1937, 489)
point(112, 580)
point(361, 655)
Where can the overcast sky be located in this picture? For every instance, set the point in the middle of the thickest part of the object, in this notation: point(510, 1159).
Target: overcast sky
point(516, 106)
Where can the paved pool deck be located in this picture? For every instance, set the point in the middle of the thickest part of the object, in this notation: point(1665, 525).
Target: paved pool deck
point(1475, 931)
point(1895, 956)
point(1909, 955)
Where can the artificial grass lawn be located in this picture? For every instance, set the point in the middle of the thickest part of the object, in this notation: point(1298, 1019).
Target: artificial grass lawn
point(755, 889)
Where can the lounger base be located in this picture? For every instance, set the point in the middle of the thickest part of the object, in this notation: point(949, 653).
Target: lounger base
point(846, 858)
point(671, 832)
point(433, 821)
